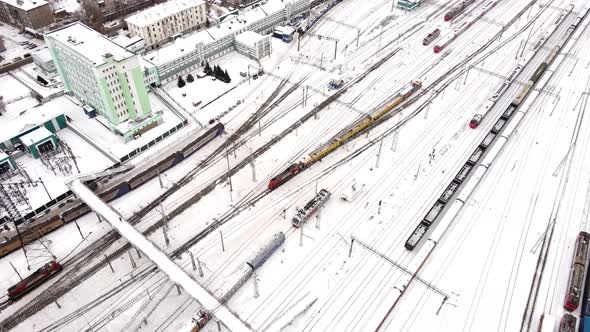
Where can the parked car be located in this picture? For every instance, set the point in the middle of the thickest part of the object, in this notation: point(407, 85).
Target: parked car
point(255, 77)
point(17, 59)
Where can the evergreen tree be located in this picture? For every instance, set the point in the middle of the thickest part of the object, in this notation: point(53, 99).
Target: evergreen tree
point(181, 82)
point(226, 75)
point(190, 78)
point(208, 70)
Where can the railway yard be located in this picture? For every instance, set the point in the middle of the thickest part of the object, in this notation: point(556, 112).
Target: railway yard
point(376, 176)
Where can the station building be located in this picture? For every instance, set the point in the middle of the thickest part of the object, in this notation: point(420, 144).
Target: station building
point(253, 45)
point(193, 51)
point(14, 135)
point(104, 76)
point(39, 141)
point(162, 22)
point(6, 163)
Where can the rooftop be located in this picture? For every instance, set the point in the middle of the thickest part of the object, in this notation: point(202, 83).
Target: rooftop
point(230, 25)
point(3, 155)
point(158, 12)
point(43, 55)
point(89, 43)
point(36, 136)
point(25, 4)
point(249, 38)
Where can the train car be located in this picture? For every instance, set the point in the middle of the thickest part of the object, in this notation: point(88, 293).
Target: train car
point(431, 36)
point(463, 26)
point(416, 236)
point(213, 132)
point(457, 10)
point(265, 252)
point(311, 207)
point(34, 280)
point(567, 323)
point(576, 279)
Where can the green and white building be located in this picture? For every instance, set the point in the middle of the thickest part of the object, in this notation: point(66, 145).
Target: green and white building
point(104, 76)
point(408, 4)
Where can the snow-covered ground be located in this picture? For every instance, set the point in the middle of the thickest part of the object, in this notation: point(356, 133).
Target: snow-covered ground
point(12, 38)
point(484, 263)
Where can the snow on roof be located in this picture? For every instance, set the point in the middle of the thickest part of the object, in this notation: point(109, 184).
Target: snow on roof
point(158, 12)
point(3, 155)
point(43, 55)
point(206, 36)
point(25, 4)
point(249, 38)
point(14, 123)
point(36, 136)
point(89, 43)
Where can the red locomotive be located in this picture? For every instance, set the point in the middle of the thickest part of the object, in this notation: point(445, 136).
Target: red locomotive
point(284, 176)
point(34, 280)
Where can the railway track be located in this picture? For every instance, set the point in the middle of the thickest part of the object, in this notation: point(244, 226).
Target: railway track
point(81, 260)
point(78, 262)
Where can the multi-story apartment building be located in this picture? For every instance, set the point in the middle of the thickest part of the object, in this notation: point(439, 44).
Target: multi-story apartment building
point(102, 75)
point(162, 22)
point(26, 14)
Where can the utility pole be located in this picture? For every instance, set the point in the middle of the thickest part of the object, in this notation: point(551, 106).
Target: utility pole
point(108, 261)
point(301, 235)
point(394, 140)
point(256, 292)
point(18, 274)
point(193, 260)
point(379, 153)
point(358, 36)
point(253, 170)
point(199, 267)
point(79, 230)
point(133, 264)
point(160, 179)
point(335, 48)
point(47, 192)
point(221, 236)
point(229, 176)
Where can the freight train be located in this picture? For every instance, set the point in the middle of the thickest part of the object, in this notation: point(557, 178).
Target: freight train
point(344, 136)
point(72, 209)
point(458, 9)
point(463, 26)
point(34, 280)
point(578, 268)
point(477, 155)
point(311, 207)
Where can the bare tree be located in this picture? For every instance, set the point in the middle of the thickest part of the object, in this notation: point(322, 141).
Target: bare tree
point(92, 15)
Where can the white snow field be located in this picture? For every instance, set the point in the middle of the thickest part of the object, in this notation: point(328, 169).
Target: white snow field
point(477, 277)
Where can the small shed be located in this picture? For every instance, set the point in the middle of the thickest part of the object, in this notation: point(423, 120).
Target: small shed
point(39, 141)
point(6, 163)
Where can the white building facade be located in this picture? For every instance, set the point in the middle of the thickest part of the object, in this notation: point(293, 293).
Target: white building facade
point(253, 44)
point(163, 22)
point(194, 51)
